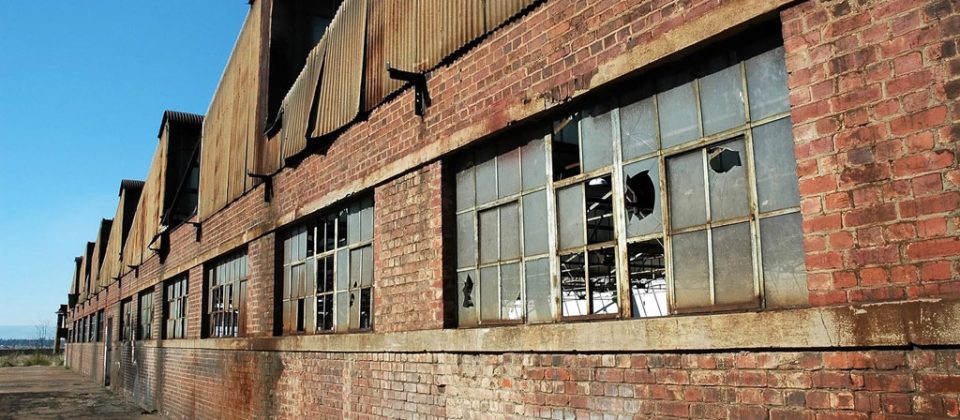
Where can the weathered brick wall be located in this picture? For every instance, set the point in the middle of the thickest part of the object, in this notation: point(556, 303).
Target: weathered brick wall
point(261, 266)
point(874, 88)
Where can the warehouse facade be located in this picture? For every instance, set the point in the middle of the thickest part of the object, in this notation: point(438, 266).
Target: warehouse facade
point(559, 208)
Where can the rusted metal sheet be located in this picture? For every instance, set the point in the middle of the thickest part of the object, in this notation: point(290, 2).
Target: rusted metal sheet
point(84, 289)
point(342, 76)
point(299, 103)
point(146, 220)
point(499, 11)
point(230, 129)
point(99, 254)
point(111, 266)
point(446, 26)
point(391, 39)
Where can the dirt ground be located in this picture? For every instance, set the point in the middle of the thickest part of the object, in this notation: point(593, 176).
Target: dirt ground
point(57, 393)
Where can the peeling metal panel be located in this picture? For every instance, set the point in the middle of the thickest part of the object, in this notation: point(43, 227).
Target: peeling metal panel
point(99, 254)
point(342, 78)
point(146, 220)
point(85, 264)
point(299, 104)
point(112, 264)
point(446, 26)
point(499, 11)
point(391, 39)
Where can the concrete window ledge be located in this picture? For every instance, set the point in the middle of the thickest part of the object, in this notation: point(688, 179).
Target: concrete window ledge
point(921, 322)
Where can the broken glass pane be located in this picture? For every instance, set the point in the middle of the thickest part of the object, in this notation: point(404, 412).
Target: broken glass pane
point(486, 172)
point(677, 112)
point(354, 310)
point(641, 197)
point(686, 192)
point(366, 271)
point(535, 223)
point(777, 186)
point(573, 285)
point(537, 273)
point(356, 266)
point(466, 242)
point(566, 148)
point(466, 194)
point(489, 236)
point(721, 100)
point(599, 210)
point(489, 294)
point(767, 84)
point(509, 231)
point(366, 308)
point(534, 164)
point(733, 265)
point(648, 283)
point(638, 128)
point(597, 128)
point(570, 216)
point(343, 269)
point(691, 279)
point(329, 226)
point(603, 281)
point(342, 228)
point(511, 300)
point(728, 180)
point(784, 273)
point(466, 298)
point(508, 172)
point(326, 284)
point(325, 312)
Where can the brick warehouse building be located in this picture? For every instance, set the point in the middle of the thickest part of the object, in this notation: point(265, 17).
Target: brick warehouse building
point(554, 209)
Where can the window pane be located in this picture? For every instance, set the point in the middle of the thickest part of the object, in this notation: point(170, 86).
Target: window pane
point(353, 224)
point(733, 265)
point(366, 308)
point(570, 216)
point(538, 291)
point(509, 231)
point(767, 84)
point(466, 242)
point(535, 223)
point(573, 285)
point(466, 195)
point(343, 311)
point(638, 128)
point(466, 298)
point(489, 294)
point(356, 263)
point(691, 281)
point(603, 281)
point(686, 192)
point(677, 112)
point(343, 269)
point(721, 100)
point(784, 273)
point(326, 285)
point(533, 159)
point(727, 173)
point(777, 186)
point(597, 128)
point(366, 219)
point(486, 170)
point(508, 173)
point(599, 210)
point(354, 309)
point(566, 148)
point(366, 271)
point(648, 284)
point(325, 312)
point(641, 197)
point(511, 300)
point(489, 236)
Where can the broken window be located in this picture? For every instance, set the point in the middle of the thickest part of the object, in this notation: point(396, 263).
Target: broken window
point(126, 319)
point(175, 307)
point(682, 199)
point(328, 271)
point(226, 297)
point(145, 320)
point(99, 325)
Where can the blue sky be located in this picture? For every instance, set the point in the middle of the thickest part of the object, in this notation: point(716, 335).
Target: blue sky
point(83, 86)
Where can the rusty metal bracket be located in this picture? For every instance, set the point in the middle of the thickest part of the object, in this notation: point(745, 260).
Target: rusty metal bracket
point(419, 81)
point(267, 184)
point(136, 269)
point(197, 229)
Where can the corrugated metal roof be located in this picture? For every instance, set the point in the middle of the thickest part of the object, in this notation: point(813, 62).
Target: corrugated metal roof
point(342, 79)
point(180, 118)
point(391, 39)
point(130, 185)
point(299, 103)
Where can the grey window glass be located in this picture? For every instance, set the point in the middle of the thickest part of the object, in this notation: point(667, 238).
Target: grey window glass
point(366, 220)
point(777, 186)
point(686, 190)
point(599, 210)
point(603, 281)
point(573, 285)
point(356, 267)
point(641, 197)
point(727, 174)
point(721, 100)
point(535, 223)
point(343, 311)
point(533, 160)
point(489, 236)
point(638, 128)
point(733, 265)
point(691, 281)
point(784, 273)
point(767, 84)
point(343, 267)
point(511, 299)
point(566, 148)
point(366, 272)
point(508, 173)
point(570, 216)
point(354, 309)
point(466, 193)
point(486, 172)
point(539, 297)
point(509, 231)
point(489, 294)
point(466, 241)
point(677, 109)
point(648, 284)
point(597, 129)
point(467, 289)
point(353, 224)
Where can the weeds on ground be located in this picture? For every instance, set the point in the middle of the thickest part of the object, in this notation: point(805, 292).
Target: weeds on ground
point(35, 359)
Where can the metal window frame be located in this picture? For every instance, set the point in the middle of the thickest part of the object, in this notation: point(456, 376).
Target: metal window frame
point(175, 307)
point(232, 267)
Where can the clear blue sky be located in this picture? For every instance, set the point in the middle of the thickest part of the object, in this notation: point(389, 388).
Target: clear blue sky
point(83, 85)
